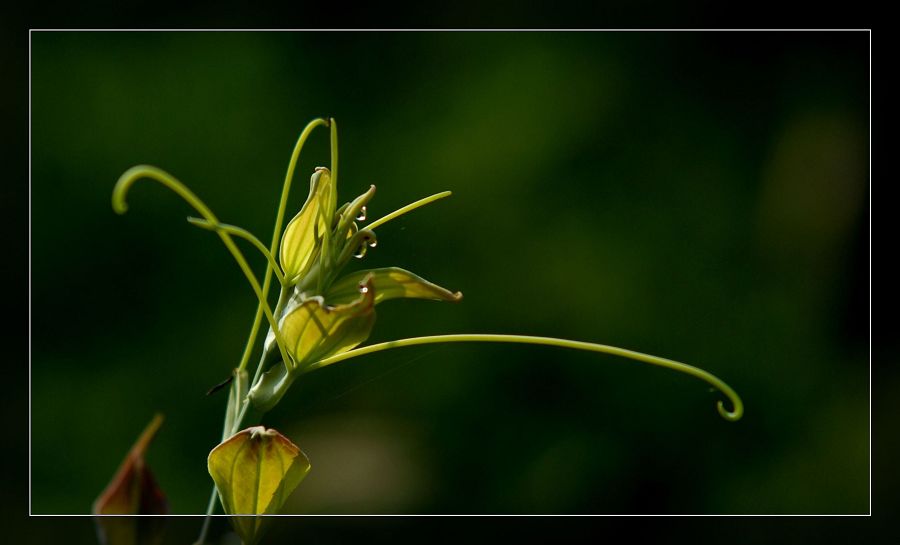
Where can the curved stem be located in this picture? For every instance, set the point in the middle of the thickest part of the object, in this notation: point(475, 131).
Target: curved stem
point(244, 234)
point(408, 208)
point(289, 178)
point(348, 214)
point(365, 236)
point(120, 206)
point(133, 174)
point(276, 236)
point(259, 293)
point(715, 382)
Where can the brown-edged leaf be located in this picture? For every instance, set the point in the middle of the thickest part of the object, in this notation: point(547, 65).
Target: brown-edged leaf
point(132, 491)
point(255, 471)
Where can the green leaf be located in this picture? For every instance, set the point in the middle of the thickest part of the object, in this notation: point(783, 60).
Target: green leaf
point(255, 472)
point(133, 491)
point(303, 234)
point(389, 283)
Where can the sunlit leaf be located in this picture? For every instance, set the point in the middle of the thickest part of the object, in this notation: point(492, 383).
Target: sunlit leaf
point(389, 283)
point(255, 472)
point(302, 236)
point(132, 491)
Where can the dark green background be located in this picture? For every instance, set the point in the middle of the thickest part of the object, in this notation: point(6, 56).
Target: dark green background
point(698, 196)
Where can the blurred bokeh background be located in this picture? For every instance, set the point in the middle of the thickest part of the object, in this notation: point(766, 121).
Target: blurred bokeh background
point(698, 196)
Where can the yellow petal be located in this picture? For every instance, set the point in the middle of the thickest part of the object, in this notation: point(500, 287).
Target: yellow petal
point(302, 236)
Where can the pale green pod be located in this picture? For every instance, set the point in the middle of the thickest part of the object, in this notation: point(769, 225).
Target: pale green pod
point(255, 471)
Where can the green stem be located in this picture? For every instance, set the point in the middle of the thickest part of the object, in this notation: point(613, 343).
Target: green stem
point(334, 161)
point(135, 173)
point(211, 506)
point(327, 209)
point(737, 404)
point(276, 235)
point(408, 208)
point(267, 283)
point(244, 234)
point(132, 175)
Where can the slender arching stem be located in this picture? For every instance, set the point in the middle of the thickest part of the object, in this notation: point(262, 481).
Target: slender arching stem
point(130, 176)
point(135, 173)
point(244, 234)
point(267, 283)
point(276, 235)
point(334, 161)
point(408, 208)
point(737, 405)
point(289, 178)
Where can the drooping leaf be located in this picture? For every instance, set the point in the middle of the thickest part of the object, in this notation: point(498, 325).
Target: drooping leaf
point(255, 472)
point(132, 491)
point(303, 234)
point(389, 283)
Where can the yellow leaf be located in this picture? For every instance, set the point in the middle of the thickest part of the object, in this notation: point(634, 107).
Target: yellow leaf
point(389, 283)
